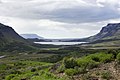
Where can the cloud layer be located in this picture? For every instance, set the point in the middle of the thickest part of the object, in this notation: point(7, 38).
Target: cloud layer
point(54, 18)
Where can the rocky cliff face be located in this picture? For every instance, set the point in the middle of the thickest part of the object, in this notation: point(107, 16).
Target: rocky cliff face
point(108, 32)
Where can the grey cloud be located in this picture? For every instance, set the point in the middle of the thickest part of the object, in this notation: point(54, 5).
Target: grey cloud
point(72, 14)
point(77, 15)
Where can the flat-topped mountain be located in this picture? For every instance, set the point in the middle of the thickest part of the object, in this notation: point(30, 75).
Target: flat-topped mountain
point(31, 36)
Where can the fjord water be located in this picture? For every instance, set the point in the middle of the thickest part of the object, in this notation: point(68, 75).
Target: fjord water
point(60, 43)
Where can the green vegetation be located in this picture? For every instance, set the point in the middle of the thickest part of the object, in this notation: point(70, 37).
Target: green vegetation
point(118, 57)
point(73, 66)
point(17, 47)
point(106, 75)
point(55, 64)
point(26, 70)
point(71, 72)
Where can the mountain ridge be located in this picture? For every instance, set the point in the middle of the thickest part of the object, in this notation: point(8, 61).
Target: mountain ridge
point(111, 30)
point(9, 34)
point(11, 41)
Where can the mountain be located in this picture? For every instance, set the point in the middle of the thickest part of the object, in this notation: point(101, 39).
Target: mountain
point(12, 41)
point(8, 34)
point(111, 31)
point(31, 36)
point(109, 36)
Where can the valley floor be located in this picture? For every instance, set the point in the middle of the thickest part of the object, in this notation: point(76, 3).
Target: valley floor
point(61, 64)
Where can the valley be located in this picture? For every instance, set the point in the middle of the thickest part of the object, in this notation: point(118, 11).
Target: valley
point(22, 59)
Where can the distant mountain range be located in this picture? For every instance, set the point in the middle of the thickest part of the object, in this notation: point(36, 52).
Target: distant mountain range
point(31, 36)
point(110, 31)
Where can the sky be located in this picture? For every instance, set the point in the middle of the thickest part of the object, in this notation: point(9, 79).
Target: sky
point(59, 18)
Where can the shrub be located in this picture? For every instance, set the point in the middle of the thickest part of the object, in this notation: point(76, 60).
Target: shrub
point(96, 59)
point(86, 77)
point(114, 52)
point(69, 62)
point(106, 75)
point(92, 64)
point(87, 63)
point(73, 66)
point(9, 77)
point(61, 69)
point(33, 69)
point(101, 57)
point(3, 66)
point(71, 72)
point(83, 63)
point(107, 58)
point(15, 72)
point(80, 70)
point(118, 57)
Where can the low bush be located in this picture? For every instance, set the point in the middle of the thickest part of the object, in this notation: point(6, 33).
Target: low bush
point(101, 57)
point(69, 62)
point(114, 52)
point(72, 66)
point(61, 69)
point(71, 72)
point(106, 75)
point(9, 77)
point(33, 69)
point(87, 63)
point(118, 57)
point(80, 70)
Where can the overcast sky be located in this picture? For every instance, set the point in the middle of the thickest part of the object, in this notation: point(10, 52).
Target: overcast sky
point(59, 18)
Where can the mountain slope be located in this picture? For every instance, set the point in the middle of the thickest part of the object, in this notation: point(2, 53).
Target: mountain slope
point(12, 41)
point(108, 37)
point(111, 31)
point(7, 34)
